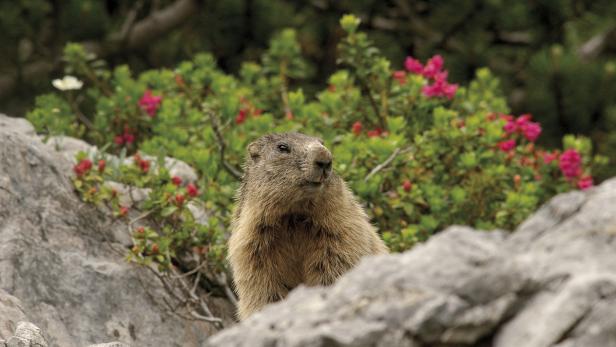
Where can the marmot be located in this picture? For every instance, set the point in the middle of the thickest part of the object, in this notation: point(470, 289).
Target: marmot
point(295, 221)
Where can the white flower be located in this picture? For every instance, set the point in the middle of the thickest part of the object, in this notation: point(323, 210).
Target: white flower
point(67, 83)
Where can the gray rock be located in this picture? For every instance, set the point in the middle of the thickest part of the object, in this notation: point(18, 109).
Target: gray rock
point(550, 283)
point(70, 146)
point(27, 335)
point(110, 344)
point(60, 257)
point(11, 312)
point(19, 125)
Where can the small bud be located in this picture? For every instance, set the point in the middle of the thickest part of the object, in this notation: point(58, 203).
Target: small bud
point(407, 185)
point(101, 165)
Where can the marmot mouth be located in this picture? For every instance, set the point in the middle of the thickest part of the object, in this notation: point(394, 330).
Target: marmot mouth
point(313, 184)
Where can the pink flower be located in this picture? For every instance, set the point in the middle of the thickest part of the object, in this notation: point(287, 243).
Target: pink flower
point(569, 163)
point(440, 87)
point(413, 65)
point(549, 157)
point(585, 182)
point(150, 103)
point(522, 120)
point(399, 76)
point(531, 131)
point(450, 89)
point(506, 146)
point(510, 127)
point(433, 67)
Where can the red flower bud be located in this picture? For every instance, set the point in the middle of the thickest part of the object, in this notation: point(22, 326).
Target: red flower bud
point(123, 211)
point(144, 165)
point(407, 185)
point(241, 117)
point(101, 165)
point(179, 199)
point(357, 128)
point(154, 248)
point(82, 167)
point(374, 133)
point(129, 138)
point(176, 180)
point(192, 190)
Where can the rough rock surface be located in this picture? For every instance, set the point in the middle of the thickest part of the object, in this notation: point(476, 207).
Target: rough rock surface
point(16, 124)
point(550, 283)
point(63, 261)
point(11, 312)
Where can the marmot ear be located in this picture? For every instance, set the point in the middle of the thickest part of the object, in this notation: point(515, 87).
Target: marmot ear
point(253, 151)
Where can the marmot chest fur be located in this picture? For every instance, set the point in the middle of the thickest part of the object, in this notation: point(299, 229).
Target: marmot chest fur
point(295, 221)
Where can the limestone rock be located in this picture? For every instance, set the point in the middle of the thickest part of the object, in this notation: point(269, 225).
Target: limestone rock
point(60, 257)
point(27, 335)
point(70, 146)
point(19, 125)
point(550, 283)
point(11, 312)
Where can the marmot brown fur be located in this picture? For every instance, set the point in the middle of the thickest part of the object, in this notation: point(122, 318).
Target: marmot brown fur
point(295, 222)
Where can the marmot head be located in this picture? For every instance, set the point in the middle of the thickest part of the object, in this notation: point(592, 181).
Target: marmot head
point(287, 168)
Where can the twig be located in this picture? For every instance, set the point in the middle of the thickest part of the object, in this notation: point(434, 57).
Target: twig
point(186, 274)
point(384, 164)
point(196, 298)
point(142, 216)
point(195, 283)
point(207, 319)
point(221, 144)
point(595, 45)
point(222, 280)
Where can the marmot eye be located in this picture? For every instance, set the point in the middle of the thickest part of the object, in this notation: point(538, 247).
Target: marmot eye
point(284, 148)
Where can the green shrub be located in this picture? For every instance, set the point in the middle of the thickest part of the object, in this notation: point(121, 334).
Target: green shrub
point(420, 152)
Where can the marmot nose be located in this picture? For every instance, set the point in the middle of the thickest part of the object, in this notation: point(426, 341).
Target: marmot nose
point(324, 165)
point(323, 160)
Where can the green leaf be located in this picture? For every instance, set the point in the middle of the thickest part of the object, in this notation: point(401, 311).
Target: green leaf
point(169, 210)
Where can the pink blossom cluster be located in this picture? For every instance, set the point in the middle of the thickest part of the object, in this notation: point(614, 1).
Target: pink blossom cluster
point(570, 164)
point(433, 71)
point(523, 125)
point(150, 103)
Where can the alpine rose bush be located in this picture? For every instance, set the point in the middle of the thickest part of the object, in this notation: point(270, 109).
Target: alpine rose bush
point(420, 151)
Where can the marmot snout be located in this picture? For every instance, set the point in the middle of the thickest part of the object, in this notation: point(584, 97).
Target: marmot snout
point(295, 221)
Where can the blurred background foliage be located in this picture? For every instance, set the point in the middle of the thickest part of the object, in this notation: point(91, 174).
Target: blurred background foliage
point(555, 58)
